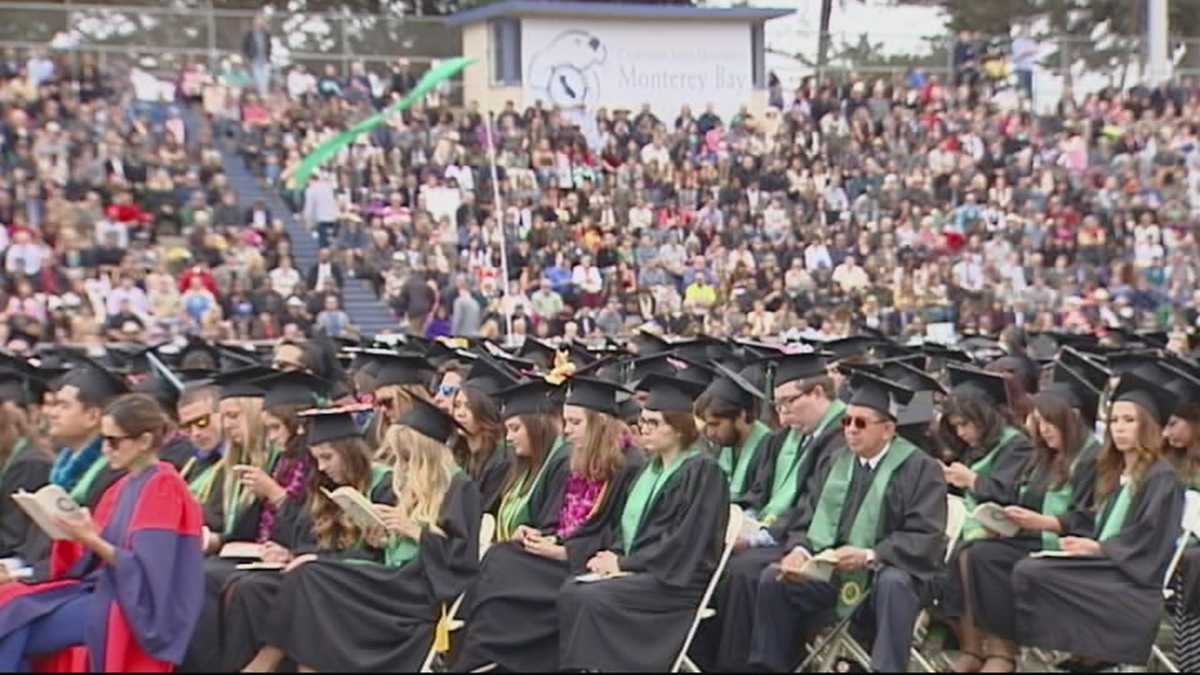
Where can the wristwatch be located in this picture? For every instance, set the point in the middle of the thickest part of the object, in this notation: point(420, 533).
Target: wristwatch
point(872, 562)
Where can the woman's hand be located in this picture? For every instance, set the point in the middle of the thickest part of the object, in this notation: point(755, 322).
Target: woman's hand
point(302, 560)
point(274, 553)
point(960, 476)
point(1027, 519)
point(604, 562)
point(545, 547)
point(79, 527)
point(397, 522)
point(523, 533)
point(260, 483)
point(1081, 546)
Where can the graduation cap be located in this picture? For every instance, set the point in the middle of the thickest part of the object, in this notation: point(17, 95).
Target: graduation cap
point(489, 376)
point(198, 353)
point(516, 363)
point(399, 368)
point(669, 394)
point(1154, 339)
point(331, 424)
point(990, 387)
point(901, 372)
point(916, 417)
point(646, 343)
point(881, 395)
point(701, 349)
point(1022, 366)
point(1157, 401)
point(946, 354)
point(94, 382)
point(735, 390)
point(1087, 368)
point(161, 389)
point(803, 366)
point(1184, 386)
point(293, 388)
point(855, 345)
point(136, 359)
point(662, 364)
point(441, 352)
point(595, 394)
point(539, 352)
point(430, 421)
point(1076, 389)
point(242, 382)
point(22, 389)
point(533, 397)
point(1144, 362)
point(981, 347)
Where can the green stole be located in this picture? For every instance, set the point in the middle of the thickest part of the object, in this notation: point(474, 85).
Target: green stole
point(17, 449)
point(864, 532)
point(1116, 511)
point(201, 486)
point(401, 550)
point(972, 530)
point(80, 492)
point(1058, 502)
point(233, 502)
point(514, 508)
point(645, 490)
point(745, 458)
point(792, 455)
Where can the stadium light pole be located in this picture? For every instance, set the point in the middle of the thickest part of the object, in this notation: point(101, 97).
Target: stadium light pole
point(1158, 63)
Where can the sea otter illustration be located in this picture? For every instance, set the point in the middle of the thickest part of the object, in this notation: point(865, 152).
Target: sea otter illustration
point(564, 71)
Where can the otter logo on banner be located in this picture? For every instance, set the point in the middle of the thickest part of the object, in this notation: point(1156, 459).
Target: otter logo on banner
point(565, 73)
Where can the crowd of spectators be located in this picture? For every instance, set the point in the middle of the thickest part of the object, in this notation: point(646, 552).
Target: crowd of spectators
point(900, 204)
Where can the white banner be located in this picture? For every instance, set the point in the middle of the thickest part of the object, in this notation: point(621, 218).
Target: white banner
point(588, 64)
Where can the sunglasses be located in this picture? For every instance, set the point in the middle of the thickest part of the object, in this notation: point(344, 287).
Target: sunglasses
point(859, 423)
point(447, 390)
point(198, 423)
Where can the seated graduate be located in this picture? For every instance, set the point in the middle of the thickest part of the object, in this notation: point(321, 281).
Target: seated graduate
point(1054, 496)
point(537, 478)
point(399, 380)
point(205, 470)
point(1105, 602)
point(513, 622)
point(996, 450)
point(318, 526)
point(483, 455)
point(25, 462)
point(359, 615)
point(1181, 439)
point(80, 467)
point(661, 554)
point(881, 510)
point(729, 408)
point(127, 586)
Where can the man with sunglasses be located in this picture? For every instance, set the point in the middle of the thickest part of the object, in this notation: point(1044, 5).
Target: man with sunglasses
point(879, 518)
point(204, 471)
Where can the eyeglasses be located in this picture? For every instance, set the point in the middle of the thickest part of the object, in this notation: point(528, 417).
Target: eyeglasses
point(787, 401)
point(198, 423)
point(859, 423)
point(447, 390)
point(649, 424)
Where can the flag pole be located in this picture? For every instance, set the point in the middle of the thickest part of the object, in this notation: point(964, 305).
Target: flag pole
point(498, 213)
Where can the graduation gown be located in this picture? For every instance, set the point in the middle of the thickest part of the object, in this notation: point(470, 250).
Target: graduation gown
point(144, 606)
point(491, 478)
point(512, 606)
point(980, 572)
point(1003, 478)
point(27, 468)
point(363, 616)
point(250, 598)
point(824, 444)
point(177, 450)
point(1106, 607)
point(639, 622)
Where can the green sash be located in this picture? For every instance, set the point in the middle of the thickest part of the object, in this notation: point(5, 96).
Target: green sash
point(400, 550)
point(233, 502)
point(737, 474)
point(785, 486)
point(514, 508)
point(17, 449)
point(201, 486)
point(644, 492)
point(1114, 519)
point(379, 473)
point(864, 533)
point(972, 530)
point(80, 492)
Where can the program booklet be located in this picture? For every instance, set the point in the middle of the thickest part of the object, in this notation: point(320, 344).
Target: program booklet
point(817, 568)
point(992, 516)
point(48, 503)
point(357, 506)
point(242, 550)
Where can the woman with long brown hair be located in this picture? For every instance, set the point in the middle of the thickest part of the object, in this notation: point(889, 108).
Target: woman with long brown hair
point(318, 526)
point(483, 453)
point(24, 465)
point(1053, 496)
point(1104, 602)
point(512, 605)
point(537, 477)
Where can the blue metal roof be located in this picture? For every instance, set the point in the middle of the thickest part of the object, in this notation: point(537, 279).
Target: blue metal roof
point(616, 10)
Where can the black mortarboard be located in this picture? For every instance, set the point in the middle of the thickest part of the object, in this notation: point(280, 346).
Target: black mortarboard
point(533, 397)
point(293, 388)
point(594, 394)
point(515, 363)
point(400, 368)
point(22, 389)
point(1157, 401)
point(1078, 392)
point(1087, 368)
point(579, 355)
point(844, 348)
point(489, 376)
point(669, 394)
point(803, 366)
point(1184, 386)
point(539, 352)
point(198, 353)
point(946, 354)
point(662, 364)
point(444, 351)
point(628, 409)
point(134, 358)
point(430, 421)
point(649, 344)
point(982, 348)
point(94, 382)
point(990, 387)
point(700, 349)
point(1145, 362)
point(916, 416)
point(243, 382)
point(733, 389)
point(1154, 339)
point(161, 389)
point(883, 396)
point(901, 372)
point(332, 424)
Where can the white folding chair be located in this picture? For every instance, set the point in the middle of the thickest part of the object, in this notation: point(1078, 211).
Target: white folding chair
point(841, 642)
point(1191, 528)
point(704, 611)
point(487, 530)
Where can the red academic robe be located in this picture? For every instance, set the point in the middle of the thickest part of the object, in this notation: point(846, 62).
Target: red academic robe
point(147, 604)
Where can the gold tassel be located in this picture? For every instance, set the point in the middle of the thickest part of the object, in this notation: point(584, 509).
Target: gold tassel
point(441, 633)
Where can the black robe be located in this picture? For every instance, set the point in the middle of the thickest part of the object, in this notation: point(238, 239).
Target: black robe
point(546, 498)
point(1001, 483)
point(339, 615)
point(214, 506)
point(177, 450)
point(512, 606)
point(639, 622)
point(980, 572)
point(491, 478)
point(1106, 607)
point(250, 599)
point(759, 494)
point(28, 470)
